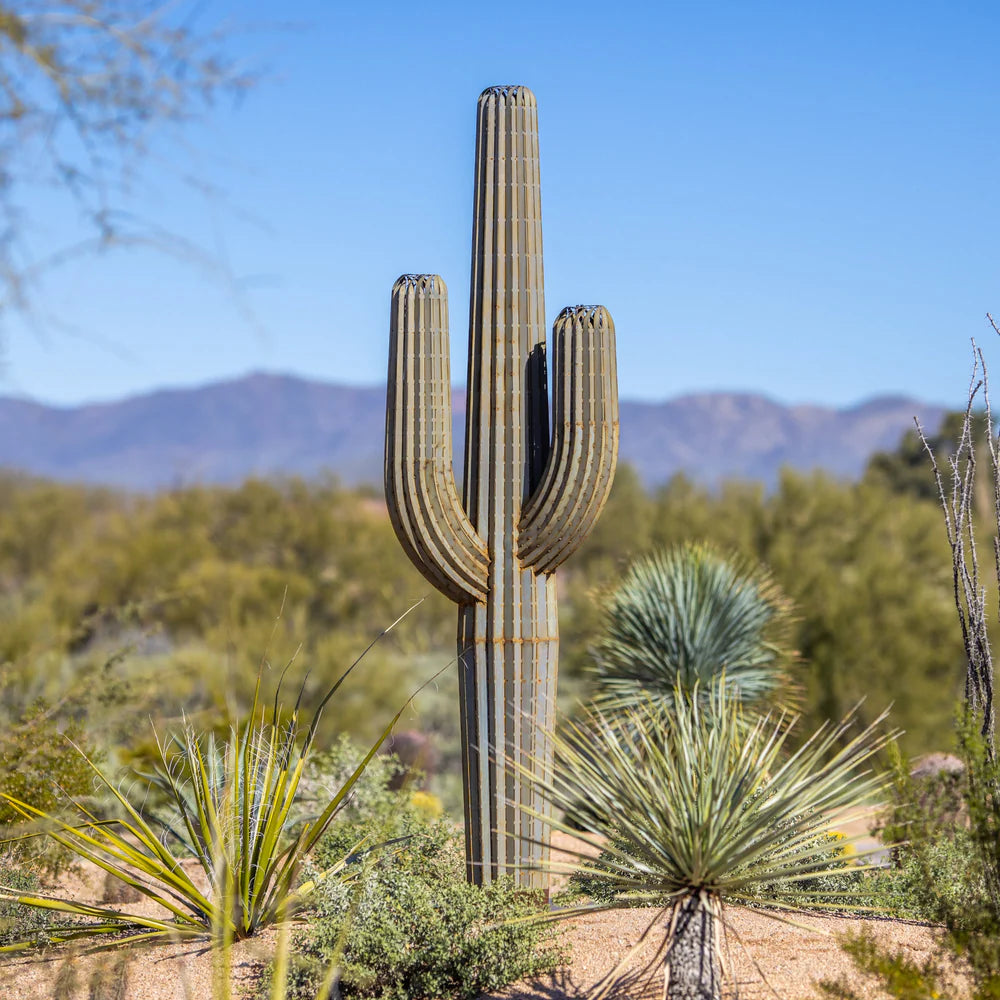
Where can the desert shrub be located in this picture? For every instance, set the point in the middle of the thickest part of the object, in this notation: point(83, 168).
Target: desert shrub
point(963, 893)
point(230, 807)
point(18, 921)
point(928, 876)
point(933, 866)
point(412, 926)
point(41, 764)
point(944, 872)
point(39, 761)
point(372, 807)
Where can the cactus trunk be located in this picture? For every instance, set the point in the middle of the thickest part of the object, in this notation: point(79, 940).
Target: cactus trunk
point(508, 645)
point(529, 497)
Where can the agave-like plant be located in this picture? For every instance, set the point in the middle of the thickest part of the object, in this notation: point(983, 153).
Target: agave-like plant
point(232, 805)
point(682, 617)
point(701, 807)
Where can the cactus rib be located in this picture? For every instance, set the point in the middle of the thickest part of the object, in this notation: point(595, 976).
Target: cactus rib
point(528, 499)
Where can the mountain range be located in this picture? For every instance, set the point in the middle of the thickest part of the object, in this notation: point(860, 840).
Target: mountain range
point(265, 424)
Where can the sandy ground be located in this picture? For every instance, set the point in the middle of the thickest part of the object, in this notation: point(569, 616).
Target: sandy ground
point(764, 958)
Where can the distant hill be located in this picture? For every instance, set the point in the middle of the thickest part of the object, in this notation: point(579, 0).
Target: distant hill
point(719, 435)
point(281, 425)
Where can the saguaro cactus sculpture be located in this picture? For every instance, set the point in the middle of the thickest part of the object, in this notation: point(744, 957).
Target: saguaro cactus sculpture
point(529, 499)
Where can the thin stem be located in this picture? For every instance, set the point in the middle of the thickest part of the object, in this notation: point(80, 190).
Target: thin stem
point(958, 506)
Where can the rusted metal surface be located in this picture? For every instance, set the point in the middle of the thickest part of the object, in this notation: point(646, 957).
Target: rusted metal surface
point(530, 496)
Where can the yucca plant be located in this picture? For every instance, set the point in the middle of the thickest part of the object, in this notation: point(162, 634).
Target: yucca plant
point(682, 617)
point(232, 805)
point(701, 807)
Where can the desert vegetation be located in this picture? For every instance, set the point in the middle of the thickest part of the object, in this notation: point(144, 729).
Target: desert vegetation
point(143, 731)
point(95, 583)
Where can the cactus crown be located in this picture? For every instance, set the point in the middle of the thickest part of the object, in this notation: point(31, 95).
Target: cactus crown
point(508, 90)
point(418, 281)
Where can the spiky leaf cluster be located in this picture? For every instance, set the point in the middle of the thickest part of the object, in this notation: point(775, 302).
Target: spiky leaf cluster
point(698, 800)
point(681, 618)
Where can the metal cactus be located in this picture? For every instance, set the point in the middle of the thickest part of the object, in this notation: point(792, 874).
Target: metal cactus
point(530, 498)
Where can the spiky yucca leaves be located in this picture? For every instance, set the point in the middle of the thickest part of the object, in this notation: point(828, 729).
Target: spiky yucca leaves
point(232, 805)
point(683, 616)
point(701, 807)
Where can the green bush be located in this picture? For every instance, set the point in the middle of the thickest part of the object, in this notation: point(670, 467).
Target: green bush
point(927, 878)
point(946, 872)
point(412, 927)
point(41, 765)
point(371, 805)
point(934, 866)
point(230, 808)
point(17, 921)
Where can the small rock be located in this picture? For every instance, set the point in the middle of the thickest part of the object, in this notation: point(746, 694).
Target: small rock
point(931, 764)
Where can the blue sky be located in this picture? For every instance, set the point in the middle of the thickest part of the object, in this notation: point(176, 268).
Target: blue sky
point(790, 198)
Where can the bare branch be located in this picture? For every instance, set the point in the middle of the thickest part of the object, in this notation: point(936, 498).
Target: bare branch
point(958, 505)
point(87, 89)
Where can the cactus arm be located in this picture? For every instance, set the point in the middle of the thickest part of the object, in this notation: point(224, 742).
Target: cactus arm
point(581, 465)
point(420, 490)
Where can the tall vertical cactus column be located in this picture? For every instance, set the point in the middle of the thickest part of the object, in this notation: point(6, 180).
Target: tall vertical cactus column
point(530, 498)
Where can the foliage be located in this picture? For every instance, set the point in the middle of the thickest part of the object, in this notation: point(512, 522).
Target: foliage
point(933, 865)
point(702, 807)
point(188, 582)
point(683, 617)
point(866, 569)
point(938, 873)
point(907, 468)
point(970, 911)
point(18, 921)
point(411, 926)
point(948, 874)
point(231, 807)
point(40, 764)
point(371, 802)
point(180, 578)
